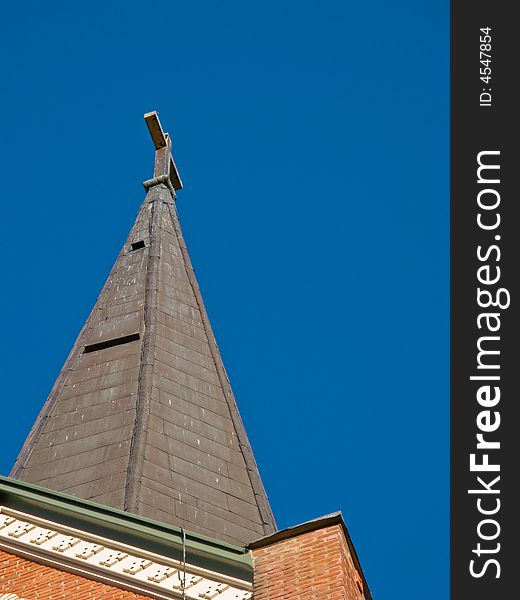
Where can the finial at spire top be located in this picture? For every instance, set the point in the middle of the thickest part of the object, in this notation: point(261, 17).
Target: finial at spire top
point(164, 163)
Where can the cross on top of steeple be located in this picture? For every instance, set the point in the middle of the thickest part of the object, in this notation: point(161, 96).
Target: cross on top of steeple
point(164, 164)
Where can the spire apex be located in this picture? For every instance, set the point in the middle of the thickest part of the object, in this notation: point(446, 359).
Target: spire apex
point(164, 163)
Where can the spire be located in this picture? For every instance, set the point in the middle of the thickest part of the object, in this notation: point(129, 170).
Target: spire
point(142, 416)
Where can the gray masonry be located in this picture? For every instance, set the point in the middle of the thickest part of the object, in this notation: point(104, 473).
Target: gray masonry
point(142, 416)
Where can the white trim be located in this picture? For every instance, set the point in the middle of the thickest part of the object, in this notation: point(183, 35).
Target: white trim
point(111, 562)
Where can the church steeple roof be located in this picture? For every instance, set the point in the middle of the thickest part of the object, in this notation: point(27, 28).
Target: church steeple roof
point(142, 416)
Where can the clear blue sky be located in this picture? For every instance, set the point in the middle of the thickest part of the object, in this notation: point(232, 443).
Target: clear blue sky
point(312, 139)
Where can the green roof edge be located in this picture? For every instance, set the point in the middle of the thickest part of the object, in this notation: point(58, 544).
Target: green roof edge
point(201, 550)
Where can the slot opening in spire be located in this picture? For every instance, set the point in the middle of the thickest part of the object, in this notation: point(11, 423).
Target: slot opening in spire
point(137, 245)
point(125, 339)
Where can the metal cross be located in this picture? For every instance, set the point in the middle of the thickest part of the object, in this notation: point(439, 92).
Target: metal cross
point(164, 163)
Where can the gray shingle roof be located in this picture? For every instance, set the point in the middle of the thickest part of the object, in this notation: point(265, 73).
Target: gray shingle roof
point(142, 416)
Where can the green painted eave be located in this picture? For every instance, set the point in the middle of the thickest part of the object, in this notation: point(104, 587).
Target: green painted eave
point(126, 528)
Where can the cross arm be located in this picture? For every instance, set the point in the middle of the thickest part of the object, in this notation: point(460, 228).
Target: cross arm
point(164, 163)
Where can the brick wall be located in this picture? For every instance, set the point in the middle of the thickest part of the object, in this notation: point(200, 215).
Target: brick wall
point(316, 565)
point(33, 581)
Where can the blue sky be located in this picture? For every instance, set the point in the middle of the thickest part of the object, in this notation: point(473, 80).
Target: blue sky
point(312, 139)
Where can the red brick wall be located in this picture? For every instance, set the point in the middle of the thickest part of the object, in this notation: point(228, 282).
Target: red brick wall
point(33, 581)
point(311, 566)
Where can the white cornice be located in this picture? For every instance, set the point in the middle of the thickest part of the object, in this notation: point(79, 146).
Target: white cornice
point(113, 563)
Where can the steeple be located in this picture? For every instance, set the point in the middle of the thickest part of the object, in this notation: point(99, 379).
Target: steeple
point(142, 417)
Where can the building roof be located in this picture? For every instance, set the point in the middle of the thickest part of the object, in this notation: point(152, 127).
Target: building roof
point(142, 417)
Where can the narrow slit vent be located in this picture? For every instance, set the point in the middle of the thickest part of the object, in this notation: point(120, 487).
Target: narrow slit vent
point(137, 245)
point(133, 337)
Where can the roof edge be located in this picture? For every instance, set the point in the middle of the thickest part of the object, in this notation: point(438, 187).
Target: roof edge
point(126, 527)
